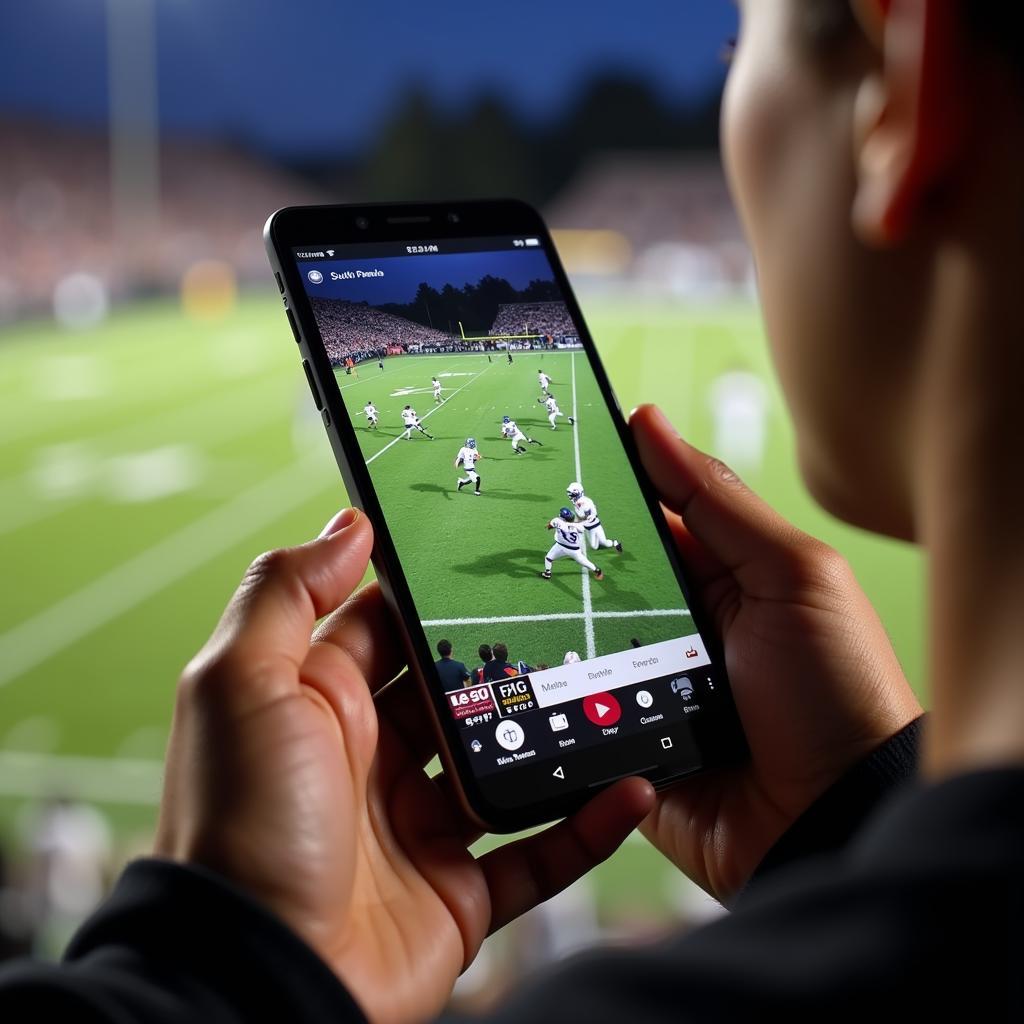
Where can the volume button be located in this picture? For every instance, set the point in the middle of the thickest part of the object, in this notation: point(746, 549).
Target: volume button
point(312, 384)
point(294, 326)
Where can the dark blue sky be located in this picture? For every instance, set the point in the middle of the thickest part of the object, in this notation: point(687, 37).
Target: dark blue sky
point(404, 274)
point(315, 76)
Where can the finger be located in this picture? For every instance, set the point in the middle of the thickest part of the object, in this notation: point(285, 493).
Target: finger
point(364, 628)
point(719, 511)
point(402, 707)
point(522, 874)
point(267, 624)
point(702, 567)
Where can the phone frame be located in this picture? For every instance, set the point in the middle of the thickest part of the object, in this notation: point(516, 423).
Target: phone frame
point(720, 738)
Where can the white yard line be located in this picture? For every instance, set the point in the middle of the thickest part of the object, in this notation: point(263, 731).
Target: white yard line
point(497, 620)
point(588, 607)
point(437, 408)
point(105, 780)
point(117, 591)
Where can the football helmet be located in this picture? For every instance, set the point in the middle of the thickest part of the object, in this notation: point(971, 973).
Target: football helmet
point(575, 491)
point(470, 442)
point(567, 514)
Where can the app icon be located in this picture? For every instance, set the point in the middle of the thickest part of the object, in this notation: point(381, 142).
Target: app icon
point(315, 277)
point(666, 742)
point(644, 698)
point(559, 773)
point(559, 723)
point(602, 708)
point(682, 687)
point(476, 746)
point(510, 735)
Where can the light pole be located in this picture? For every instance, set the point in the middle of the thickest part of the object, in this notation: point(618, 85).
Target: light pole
point(134, 129)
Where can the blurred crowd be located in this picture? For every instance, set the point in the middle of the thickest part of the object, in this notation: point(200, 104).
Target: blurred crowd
point(57, 216)
point(359, 332)
point(654, 222)
point(550, 319)
point(351, 330)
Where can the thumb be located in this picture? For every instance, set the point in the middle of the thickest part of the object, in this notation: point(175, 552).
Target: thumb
point(268, 623)
point(735, 527)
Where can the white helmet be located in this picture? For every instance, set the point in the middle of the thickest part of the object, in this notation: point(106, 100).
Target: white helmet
point(571, 658)
point(575, 491)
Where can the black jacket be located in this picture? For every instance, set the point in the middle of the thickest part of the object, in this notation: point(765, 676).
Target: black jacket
point(888, 899)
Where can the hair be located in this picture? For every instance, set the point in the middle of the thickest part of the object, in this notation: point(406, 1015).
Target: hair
point(500, 652)
point(444, 648)
point(484, 650)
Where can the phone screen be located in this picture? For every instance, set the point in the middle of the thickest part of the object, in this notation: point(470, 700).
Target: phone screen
point(559, 632)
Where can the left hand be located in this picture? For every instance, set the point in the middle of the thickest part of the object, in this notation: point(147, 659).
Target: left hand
point(295, 771)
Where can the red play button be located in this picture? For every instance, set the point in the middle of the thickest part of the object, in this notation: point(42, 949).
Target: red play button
point(602, 708)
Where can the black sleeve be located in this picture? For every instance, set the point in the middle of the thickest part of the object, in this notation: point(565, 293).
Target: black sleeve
point(920, 918)
point(837, 815)
point(178, 944)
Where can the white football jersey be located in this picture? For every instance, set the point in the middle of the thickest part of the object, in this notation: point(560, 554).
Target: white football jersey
point(371, 411)
point(587, 511)
point(437, 385)
point(545, 380)
point(467, 457)
point(409, 417)
point(567, 534)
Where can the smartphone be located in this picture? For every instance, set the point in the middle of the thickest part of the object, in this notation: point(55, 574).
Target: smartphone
point(542, 604)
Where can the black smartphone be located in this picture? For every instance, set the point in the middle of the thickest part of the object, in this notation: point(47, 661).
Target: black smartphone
point(544, 609)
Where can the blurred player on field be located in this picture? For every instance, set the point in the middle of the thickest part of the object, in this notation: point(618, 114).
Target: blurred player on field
point(545, 382)
point(554, 412)
point(412, 422)
point(568, 544)
point(371, 415)
point(586, 513)
point(510, 431)
point(467, 459)
point(436, 384)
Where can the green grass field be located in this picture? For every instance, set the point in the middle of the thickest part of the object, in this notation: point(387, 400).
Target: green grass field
point(147, 461)
point(474, 562)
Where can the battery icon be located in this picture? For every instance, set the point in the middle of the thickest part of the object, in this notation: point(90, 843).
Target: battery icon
point(533, 241)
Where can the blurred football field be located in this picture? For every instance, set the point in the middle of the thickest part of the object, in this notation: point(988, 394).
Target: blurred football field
point(146, 462)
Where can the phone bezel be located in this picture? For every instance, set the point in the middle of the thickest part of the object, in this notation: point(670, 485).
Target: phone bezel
point(722, 741)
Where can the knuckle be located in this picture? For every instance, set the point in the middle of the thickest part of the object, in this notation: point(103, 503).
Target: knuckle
point(210, 676)
point(270, 565)
point(822, 568)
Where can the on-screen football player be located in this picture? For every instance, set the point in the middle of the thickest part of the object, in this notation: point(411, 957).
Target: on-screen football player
point(586, 513)
point(569, 543)
point(467, 460)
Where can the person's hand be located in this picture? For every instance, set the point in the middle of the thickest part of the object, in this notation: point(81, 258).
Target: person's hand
point(815, 679)
point(297, 773)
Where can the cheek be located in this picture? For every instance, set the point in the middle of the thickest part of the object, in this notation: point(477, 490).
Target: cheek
point(788, 147)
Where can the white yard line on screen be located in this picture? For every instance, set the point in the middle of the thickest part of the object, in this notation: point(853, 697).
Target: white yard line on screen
point(106, 598)
point(588, 607)
point(426, 415)
point(500, 620)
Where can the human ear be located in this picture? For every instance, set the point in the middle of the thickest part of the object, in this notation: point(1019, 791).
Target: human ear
point(909, 121)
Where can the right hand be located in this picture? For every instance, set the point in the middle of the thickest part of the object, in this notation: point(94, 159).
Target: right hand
point(813, 673)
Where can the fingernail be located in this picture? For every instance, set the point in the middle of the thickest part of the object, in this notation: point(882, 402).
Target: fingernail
point(346, 517)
